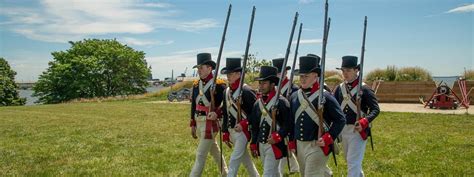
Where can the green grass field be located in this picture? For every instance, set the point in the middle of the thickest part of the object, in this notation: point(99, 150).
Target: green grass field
point(138, 138)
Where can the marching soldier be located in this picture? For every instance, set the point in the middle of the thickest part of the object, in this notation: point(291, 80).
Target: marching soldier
point(237, 132)
point(312, 152)
point(354, 134)
point(286, 86)
point(204, 124)
point(267, 141)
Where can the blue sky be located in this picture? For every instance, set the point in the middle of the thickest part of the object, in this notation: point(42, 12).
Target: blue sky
point(434, 34)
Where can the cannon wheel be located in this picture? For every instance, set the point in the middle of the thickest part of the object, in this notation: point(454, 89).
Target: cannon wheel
point(171, 98)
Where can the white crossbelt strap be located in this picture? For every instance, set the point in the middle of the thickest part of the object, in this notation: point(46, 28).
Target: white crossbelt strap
point(265, 111)
point(347, 96)
point(285, 87)
point(231, 105)
point(304, 107)
point(202, 90)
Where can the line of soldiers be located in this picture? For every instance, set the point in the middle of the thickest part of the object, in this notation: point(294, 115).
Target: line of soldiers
point(294, 134)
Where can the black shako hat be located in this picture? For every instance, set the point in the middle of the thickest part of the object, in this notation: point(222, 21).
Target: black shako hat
point(205, 59)
point(349, 62)
point(309, 64)
point(232, 65)
point(278, 62)
point(268, 73)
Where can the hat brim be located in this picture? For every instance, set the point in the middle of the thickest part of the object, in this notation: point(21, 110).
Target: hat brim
point(226, 71)
point(275, 79)
point(210, 63)
point(356, 67)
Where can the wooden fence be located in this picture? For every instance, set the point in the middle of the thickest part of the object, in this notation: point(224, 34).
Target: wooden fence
point(409, 92)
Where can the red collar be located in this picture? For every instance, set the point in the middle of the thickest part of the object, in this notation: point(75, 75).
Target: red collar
point(270, 96)
point(208, 78)
point(235, 85)
point(315, 87)
point(354, 83)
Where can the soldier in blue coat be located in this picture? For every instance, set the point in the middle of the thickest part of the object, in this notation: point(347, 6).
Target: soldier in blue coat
point(267, 133)
point(354, 134)
point(286, 87)
point(312, 149)
point(204, 123)
point(237, 132)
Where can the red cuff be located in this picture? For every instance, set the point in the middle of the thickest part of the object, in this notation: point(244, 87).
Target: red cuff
point(276, 137)
point(327, 139)
point(226, 137)
point(327, 142)
point(192, 123)
point(364, 123)
point(253, 147)
point(292, 144)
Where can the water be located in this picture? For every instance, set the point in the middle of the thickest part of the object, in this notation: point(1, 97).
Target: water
point(28, 94)
point(30, 99)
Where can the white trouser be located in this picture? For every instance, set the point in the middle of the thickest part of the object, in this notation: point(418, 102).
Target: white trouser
point(354, 148)
point(270, 164)
point(205, 147)
point(240, 154)
point(294, 167)
point(312, 159)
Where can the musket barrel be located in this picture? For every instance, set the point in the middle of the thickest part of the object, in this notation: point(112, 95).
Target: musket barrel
point(288, 94)
point(244, 66)
point(285, 61)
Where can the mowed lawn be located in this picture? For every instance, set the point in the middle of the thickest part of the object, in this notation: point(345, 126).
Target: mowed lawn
point(139, 138)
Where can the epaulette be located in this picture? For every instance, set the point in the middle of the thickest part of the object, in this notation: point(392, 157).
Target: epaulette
point(220, 81)
point(196, 82)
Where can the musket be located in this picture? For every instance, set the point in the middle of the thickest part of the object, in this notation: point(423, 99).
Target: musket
point(359, 87)
point(213, 86)
point(288, 94)
point(242, 75)
point(321, 100)
point(321, 77)
point(275, 104)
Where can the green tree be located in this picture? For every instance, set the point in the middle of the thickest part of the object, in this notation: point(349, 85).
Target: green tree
point(253, 67)
point(8, 88)
point(93, 68)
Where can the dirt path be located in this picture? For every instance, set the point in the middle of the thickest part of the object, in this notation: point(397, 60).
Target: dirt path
point(386, 107)
point(418, 108)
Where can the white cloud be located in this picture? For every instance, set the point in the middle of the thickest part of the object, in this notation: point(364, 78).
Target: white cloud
point(192, 26)
point(65, 20)
point(462, 9)
point(47, 37)
point(305, 1)
point(156, 4)
point(181, 59)
point(308, 41)
point(140, 42)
